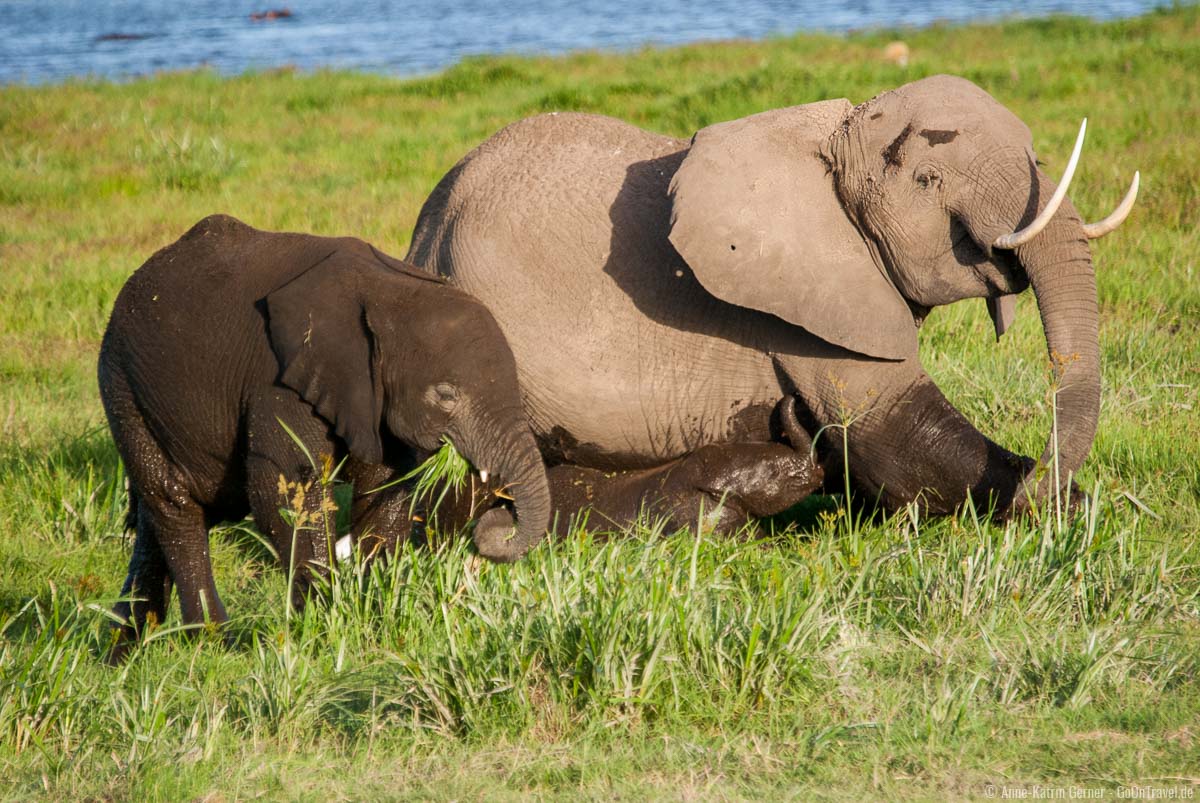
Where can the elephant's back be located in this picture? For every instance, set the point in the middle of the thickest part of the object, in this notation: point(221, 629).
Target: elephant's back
point(565, 162)
point(186, 338)
point(559, 224)
point(201, 296)
point(192, 304)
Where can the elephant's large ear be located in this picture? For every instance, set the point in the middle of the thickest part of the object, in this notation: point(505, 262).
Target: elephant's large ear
point(757, 218)
point(318, 329)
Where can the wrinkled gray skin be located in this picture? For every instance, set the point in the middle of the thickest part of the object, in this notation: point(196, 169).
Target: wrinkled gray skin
point(230, 331)
point(659, 295)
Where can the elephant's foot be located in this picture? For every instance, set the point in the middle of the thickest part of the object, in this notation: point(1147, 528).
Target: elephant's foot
point(122, 643)
point(128, 629)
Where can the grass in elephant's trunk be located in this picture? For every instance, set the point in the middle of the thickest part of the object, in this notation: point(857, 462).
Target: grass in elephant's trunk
point(446, 474)
point(443, 473)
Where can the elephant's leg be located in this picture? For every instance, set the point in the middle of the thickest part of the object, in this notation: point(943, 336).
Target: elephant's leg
point(902, 441)
point(147, 589)
point(299, 521)
point(381, 520)
point(750, 480)
point(290, 503)
point(721, 485)
point(918, 448)
point(171, 546)
point(177, 525)
point(607, 498)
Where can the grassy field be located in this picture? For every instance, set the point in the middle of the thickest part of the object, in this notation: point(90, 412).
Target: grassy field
point(837, 658)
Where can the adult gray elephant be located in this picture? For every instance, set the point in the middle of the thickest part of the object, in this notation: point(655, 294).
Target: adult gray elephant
point(659, 295)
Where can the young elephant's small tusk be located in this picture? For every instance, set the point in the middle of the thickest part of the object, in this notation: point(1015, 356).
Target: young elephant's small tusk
point(343, 548)
point(1022, 236)
point(1103, 227)
point(483, 475)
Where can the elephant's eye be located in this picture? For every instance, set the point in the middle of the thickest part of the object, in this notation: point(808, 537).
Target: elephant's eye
point(928, 177)
point(444, 395)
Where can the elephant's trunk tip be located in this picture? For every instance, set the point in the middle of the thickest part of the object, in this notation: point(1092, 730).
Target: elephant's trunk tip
point(496, 537)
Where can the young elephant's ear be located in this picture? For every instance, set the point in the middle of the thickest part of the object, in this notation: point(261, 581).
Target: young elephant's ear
point(318, 330)
point(755, 214)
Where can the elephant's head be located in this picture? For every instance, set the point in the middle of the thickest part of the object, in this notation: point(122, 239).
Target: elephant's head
point(853, 222)
point(383, 350)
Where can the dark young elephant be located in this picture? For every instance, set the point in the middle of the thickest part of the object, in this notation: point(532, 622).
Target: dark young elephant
point(680, 287)
point(226, 336)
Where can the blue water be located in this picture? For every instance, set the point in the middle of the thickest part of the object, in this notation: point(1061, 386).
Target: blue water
point(50, 40)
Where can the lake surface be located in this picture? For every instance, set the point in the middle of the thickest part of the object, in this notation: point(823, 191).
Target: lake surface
point(50, 40)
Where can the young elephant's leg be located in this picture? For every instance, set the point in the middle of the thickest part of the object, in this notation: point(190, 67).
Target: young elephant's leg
point(609, 499)
point(171, 545)
point(720, 484)
point(147, 589)
point(176, 524)
point(290, 503)
point(752, 479)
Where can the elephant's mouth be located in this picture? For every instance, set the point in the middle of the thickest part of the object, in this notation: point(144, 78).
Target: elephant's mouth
point(999, 273)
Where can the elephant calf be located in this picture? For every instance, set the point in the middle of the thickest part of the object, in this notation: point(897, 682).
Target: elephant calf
point(239, 365)
point(721, 484)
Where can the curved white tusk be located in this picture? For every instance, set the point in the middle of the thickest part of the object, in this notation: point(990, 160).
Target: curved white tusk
point(1033, 229)
point(1103, 227)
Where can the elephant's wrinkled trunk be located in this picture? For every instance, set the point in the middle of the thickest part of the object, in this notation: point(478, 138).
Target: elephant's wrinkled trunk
point(510, 454)
point(1059, 265)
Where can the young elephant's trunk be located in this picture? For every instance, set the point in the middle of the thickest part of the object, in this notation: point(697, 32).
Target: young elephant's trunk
point(511, 455)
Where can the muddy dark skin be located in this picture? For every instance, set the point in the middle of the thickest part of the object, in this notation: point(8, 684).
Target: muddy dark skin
point(719, 486)
point(382, 519)
point(227, 335)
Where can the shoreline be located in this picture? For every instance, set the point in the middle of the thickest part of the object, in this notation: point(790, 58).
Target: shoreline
point(901, 31)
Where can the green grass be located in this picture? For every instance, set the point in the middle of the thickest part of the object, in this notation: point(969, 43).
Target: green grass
point(902, 657)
